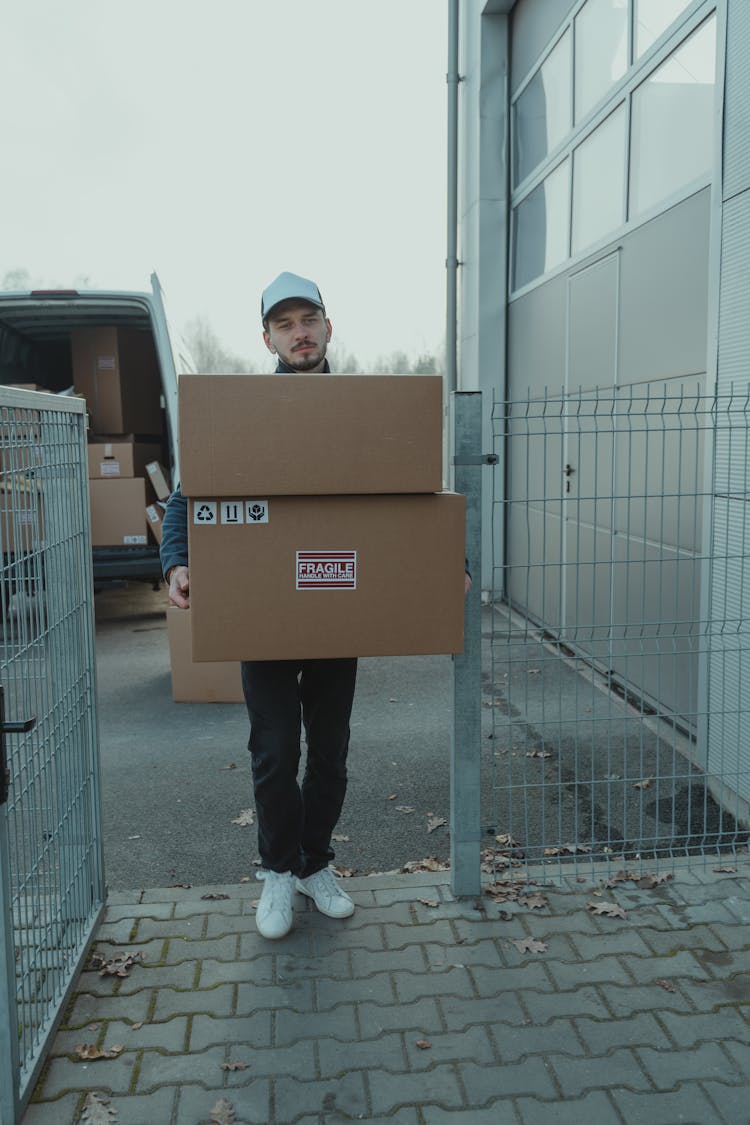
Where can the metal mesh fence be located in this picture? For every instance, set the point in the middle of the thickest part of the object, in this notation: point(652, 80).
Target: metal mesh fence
point(617, 713)
point(52, 886)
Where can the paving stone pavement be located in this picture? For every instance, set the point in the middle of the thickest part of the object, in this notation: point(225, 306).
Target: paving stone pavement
point(420, 1009)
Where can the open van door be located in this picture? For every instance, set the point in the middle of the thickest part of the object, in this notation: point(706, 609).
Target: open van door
point(37, 332)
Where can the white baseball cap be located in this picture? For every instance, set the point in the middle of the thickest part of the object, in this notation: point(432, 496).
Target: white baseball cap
point(287, 287)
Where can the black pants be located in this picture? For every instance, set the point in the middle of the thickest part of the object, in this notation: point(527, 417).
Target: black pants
point(295, 823)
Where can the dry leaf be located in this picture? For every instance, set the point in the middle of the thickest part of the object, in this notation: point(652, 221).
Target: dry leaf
point(666, 984)
point(568, 849)
point(185, 886)
point(137, 1026)
point(97, 1111)
point(424, 1044)
point(222, 1113)
point(725, 870)
point(93, 1026)
point(214, 895)
point(650, 881)
point(645, 784)
point(529, 945)
point(231, 766)
point(404, 808)
point(431, 863)
point(245, 818)
point(117, 966)
point(392, 797)
point(538, 753)
point(340, 839)
point(611, 909)
point(344, 872)
point(507, 841)
point(89, 1052)
point(534, 902)
point(434, 822)
point(429, 902)
point(234, 1066)
point(533, 671)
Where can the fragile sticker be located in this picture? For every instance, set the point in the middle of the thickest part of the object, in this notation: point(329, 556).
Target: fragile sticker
point(326, 570)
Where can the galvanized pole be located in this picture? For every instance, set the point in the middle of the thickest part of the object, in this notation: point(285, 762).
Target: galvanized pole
point(451, 261)
point(9, 1055)
point(467, 667)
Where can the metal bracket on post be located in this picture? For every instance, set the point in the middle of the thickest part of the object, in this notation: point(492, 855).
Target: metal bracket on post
point(466, 735)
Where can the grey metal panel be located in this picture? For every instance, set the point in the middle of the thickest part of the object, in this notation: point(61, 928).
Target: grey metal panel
point(658, 466)
point(536, 340)
point(533, 27)
point(729, 729)
point(593, 300)
point(664, 294)
point(734, 310)
point(655, 627)
point(535, 575)
point(588, 591)
point(737, 99)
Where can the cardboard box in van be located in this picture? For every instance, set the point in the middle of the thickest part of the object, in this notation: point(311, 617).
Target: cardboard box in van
point(118, 512)
point(115, 456)
point(21, 524)
point(294, 435)
point(155, 519)
point(296, 577)
point(117, 372)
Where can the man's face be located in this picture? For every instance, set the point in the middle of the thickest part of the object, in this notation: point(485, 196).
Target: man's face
point(299, 334)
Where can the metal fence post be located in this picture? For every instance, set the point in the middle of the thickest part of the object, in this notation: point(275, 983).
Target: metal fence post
point(467, 667)
point(9, 1055)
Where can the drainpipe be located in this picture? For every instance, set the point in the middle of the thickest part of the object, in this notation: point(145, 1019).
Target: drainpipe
point(451, 262)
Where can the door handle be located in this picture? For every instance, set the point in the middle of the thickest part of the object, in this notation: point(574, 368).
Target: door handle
point(12, 727)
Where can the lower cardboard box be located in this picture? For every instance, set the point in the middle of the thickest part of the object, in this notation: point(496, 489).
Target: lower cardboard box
point(219, 682)
point(118, 512)
point(306, 577)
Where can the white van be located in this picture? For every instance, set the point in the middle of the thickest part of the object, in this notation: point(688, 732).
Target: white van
point(35, 348)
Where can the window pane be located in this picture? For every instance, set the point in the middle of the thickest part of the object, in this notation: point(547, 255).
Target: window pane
point(601, 29)
point(541, 227)
point(599, 181)
point(673, 122)
point(543, 112)
point(652, 18)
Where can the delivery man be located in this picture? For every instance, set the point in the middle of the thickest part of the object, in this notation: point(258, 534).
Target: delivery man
point(295, 822)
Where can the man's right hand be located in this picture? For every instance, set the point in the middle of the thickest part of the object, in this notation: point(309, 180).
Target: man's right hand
point(179, 587)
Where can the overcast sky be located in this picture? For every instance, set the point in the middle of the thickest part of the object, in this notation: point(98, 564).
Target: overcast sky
point(220, 143)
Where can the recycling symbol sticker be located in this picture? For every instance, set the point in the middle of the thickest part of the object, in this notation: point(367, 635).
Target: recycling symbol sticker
point(204, 511)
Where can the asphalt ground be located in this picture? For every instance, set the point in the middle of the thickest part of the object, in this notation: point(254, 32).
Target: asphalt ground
point(175, 775)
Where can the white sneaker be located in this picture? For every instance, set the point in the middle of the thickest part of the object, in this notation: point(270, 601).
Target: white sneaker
point(327, 894)
point(275, 912)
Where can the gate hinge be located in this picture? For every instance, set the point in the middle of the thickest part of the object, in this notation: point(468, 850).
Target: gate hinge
point(476, 459)
point(19, 727)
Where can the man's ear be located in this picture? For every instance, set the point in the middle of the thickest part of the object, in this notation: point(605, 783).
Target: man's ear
point(329, 331)
point(269, 345)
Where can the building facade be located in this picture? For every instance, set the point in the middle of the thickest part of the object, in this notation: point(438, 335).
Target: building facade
point(604, 217)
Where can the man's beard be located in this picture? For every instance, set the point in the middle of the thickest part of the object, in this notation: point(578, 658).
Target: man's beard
point(306, 360)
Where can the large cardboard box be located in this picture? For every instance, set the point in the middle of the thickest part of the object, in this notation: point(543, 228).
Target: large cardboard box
point(117, 372)
point(219, 682)
point(124, 456)
point(118, 512)
point(295, 577)
point(297, 435)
